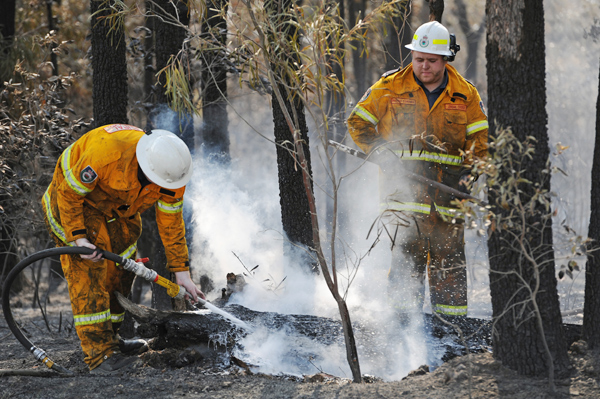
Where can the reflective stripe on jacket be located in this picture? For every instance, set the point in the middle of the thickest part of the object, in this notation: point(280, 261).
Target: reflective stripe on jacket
point(100, 171)
point(436, 143)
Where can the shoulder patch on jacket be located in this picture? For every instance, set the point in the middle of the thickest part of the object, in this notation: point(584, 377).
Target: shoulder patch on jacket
point(167, 192)
point(460, 95)
point(88, 174)
point(118, 127)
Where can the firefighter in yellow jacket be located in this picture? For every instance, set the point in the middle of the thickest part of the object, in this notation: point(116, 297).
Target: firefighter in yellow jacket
point(101, 185)
point(426, 119)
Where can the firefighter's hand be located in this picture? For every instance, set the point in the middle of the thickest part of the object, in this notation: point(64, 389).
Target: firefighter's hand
point(83, 242)
point(463, 184)
point(385, 158)
point(184, 280)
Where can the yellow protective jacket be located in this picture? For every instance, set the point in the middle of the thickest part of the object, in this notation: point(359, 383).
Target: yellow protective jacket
point(100, 171)
point(437, 143)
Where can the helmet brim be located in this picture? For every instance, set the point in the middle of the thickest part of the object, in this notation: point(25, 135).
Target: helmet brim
point(421, 50)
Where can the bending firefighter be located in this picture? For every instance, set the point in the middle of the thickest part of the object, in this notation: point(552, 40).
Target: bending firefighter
point(101, 184)
point(426, 119)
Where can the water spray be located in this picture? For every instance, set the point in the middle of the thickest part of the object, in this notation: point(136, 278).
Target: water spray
point(173, 290)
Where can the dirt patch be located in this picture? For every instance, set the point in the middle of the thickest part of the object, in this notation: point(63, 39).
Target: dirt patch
point(198, 374)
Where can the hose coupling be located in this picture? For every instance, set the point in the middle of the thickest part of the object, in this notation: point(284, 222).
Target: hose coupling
point(139, 269)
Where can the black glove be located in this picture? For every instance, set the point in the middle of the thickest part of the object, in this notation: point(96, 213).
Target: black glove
point(387, 160)
point(464, 184)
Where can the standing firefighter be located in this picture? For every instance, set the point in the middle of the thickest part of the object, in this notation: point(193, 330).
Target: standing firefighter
point(101, 184)
point(426, 119)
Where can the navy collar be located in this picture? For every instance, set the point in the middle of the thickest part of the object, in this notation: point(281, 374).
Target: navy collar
point(438, 89)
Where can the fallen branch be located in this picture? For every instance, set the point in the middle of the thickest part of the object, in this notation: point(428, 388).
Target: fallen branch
point(31, 373)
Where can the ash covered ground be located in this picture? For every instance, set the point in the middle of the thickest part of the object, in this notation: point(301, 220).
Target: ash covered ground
point(200, 372)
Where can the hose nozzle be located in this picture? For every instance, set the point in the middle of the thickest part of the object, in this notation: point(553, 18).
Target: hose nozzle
point(173, 290)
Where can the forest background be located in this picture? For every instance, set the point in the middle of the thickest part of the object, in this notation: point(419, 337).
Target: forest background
point(571, 79)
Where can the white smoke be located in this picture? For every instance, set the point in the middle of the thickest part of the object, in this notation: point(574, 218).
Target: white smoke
point(237, 226)
point(572, 92)
point(237, 223)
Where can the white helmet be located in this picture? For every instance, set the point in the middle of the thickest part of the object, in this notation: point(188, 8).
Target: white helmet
point(165, 159)
point(433, 38)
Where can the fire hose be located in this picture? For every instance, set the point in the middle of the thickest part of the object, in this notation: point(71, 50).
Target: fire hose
point(138, 268)
point(422, 179)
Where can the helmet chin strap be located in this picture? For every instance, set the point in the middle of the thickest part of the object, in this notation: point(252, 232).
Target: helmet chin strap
point(142, 178)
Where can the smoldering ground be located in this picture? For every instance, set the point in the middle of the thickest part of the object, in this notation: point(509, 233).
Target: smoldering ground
point(237, 229)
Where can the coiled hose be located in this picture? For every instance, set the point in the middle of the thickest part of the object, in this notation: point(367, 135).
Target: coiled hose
point(39, 353)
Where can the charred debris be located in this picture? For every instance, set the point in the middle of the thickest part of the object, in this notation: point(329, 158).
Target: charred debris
point(201, 337)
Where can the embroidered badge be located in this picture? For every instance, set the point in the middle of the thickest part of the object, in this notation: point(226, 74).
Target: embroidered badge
point(365, 96)
point(117, 127)
point(403, 101)
point(88, 174)
point(459, 107)
point(482, 108)
point(424, 41)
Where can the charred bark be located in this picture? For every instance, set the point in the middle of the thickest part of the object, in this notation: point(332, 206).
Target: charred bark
point(356, 11)
point(399, 35)
point(474, 34)
point(215, 134)
point(149, 70)
point(171, 18)
point(8, 251)
point(176, 328)
point(150, 245)
point(168, 21)
point(109, 66)
point(295, 211)
point(436, 9)
point(7, 31)
point(182, 329)
point(51, 27)
point(334, 103)
point(591, 308)
point(517, 99)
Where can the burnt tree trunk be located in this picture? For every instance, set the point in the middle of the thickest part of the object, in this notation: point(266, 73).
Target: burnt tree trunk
point(215, 134)
point(295, 211)
point(109, 66)
point(169, 21)
point(517, 99)
point(7, 29)
point(356, 10)
point(399, 35)
point(436, 10)
point(474, 34)
point(149, 69)
point(591, 308)
point(334, 103)
point(8, 251)
point(51, 27)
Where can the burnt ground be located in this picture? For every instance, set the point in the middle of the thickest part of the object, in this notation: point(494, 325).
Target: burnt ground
point(196, 373)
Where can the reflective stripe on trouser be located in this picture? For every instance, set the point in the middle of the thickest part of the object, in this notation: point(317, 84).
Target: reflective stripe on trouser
point(92, 284)
point(430, 241)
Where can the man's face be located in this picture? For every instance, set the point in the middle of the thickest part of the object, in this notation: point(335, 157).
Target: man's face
point(429, 68)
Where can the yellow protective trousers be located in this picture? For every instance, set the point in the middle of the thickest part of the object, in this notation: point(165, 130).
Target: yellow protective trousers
point(435, 245)
point(92, 285)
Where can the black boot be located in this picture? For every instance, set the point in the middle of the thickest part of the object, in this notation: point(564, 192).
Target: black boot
point(132, 346)
point(117, 363)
